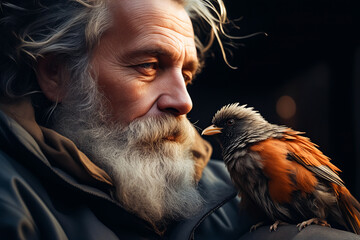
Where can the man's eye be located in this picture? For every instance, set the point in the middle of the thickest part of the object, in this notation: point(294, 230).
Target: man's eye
point(187, 78)
point(152, 65)
point(147, 68)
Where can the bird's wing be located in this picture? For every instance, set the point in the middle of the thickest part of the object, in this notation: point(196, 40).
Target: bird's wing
point(306, 153)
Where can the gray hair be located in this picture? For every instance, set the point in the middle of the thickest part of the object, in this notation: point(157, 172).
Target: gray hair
point(31, 30)
point(69, 30)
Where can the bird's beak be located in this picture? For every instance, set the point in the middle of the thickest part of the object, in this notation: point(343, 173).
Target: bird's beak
point(211, 130)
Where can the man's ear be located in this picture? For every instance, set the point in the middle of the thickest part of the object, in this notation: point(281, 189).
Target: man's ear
point(50, 77)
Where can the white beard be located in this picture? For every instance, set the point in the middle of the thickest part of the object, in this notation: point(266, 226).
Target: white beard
point(149, 160)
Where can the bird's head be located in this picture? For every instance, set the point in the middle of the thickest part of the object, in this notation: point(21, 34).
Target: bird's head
point(235, 123)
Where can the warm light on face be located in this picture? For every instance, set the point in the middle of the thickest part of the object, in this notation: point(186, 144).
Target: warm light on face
point(145, 60)
point(286, 107)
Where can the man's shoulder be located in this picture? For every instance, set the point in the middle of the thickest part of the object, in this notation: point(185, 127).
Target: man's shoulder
point(10, 170)
point(215, 183)
point(15, 180)
point(216, 164)
point(216, 169)
point(14, 199)
point(225, 220)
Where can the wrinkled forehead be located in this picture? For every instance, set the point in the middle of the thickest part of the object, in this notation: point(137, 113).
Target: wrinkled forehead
point(142, 14)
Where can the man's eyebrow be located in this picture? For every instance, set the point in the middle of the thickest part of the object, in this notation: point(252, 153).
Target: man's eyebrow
point(152, 51)
point(157, 52)
point(192, 65)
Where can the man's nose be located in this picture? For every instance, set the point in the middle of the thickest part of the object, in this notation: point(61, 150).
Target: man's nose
point(175, 99)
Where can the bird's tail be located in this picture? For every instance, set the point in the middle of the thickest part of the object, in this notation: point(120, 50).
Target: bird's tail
point(349, 207)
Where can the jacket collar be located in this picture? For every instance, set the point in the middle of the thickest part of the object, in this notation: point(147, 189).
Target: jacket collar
point(58, 150)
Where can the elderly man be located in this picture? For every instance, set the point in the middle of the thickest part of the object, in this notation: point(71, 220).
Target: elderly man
point(95, 143)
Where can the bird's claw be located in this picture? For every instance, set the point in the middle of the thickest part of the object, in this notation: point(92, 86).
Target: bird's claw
point(255, 226)
point(316, 221)
point(275, 226)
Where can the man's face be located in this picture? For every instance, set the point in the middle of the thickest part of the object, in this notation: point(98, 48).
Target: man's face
point(145, 60)
point(138, 73)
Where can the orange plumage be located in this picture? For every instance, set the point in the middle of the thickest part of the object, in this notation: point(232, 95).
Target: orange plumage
point(282, 172)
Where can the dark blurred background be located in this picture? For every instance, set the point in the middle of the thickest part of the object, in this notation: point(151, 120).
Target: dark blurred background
point(305, 74)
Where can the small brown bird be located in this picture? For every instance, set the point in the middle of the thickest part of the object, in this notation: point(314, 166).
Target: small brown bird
point(281, 172)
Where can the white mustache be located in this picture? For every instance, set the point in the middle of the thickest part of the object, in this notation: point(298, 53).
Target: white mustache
point(160, 128)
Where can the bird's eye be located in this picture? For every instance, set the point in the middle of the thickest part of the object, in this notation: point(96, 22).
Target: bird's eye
point(230, 122)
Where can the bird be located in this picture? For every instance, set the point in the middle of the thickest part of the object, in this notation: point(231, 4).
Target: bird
point(281, 173)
